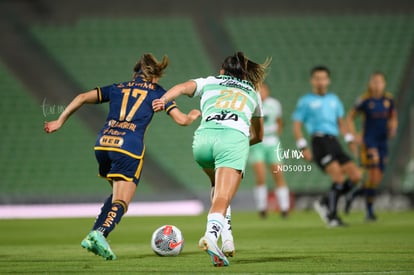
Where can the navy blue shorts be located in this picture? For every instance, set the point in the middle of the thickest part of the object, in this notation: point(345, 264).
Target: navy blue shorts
point(116, 165)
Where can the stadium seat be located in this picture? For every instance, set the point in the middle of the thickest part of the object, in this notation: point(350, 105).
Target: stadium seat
point(352, 46)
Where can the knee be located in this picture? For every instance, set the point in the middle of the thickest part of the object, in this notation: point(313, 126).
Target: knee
point(356, 176)
point(373, 157)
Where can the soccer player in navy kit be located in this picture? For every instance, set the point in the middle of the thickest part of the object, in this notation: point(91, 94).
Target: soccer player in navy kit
point(379, 124)
point(120, 148)
point(322, 114)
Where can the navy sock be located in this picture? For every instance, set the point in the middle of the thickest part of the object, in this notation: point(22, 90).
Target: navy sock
point(113, 217)
point(104, 211)
point(347, 186)
point(333, 197)
point(369, 200)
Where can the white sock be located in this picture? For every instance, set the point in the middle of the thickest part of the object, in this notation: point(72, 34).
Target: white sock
point(215, 224)
point(282, 194)
point(260, 197)
point(226, 233)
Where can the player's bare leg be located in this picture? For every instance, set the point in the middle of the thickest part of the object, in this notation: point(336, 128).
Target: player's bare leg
point(282, 190)
point(352, 171)
point(227, 240)
point(227, 181)
point(260, 189)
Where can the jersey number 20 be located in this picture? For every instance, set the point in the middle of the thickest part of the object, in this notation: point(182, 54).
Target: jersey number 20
point(233, 100)
point(140, 95)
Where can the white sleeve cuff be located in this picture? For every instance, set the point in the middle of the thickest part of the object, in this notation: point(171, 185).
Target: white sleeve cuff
point(301, 143)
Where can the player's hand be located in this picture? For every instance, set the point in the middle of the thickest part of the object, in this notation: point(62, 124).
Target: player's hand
point(158, 105)
point(52, 126)
point(194, 114)
point(307, 154)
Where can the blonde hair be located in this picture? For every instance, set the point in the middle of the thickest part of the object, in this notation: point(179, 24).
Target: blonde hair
point(239, 66)
point(148, 67)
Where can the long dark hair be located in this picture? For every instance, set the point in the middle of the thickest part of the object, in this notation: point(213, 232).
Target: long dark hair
point(239, 66)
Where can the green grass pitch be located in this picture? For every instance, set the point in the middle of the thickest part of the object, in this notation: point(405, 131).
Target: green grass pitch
point(300, 244)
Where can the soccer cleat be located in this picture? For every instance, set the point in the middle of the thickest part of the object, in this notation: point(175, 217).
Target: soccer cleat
point(217, 257)
point(96, 243)
point(336, 222)
point(88, 245)
point(284, 214)
point(371, 218)
point(228, 248)
point(322, 209)
point(263, 214)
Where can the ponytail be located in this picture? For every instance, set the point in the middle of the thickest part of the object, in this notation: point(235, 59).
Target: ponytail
point(239, 66)
point(148, 67)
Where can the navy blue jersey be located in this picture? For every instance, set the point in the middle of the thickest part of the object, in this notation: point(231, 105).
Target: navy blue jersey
point(376, 113)
point(130, 112)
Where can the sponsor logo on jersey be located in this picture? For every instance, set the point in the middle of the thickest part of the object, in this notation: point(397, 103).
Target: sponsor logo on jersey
point(224, 115)
point(234, 84)
point(111, 141)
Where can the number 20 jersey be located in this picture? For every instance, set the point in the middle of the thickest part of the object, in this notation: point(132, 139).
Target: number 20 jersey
point(130, 113)
point(227, 102)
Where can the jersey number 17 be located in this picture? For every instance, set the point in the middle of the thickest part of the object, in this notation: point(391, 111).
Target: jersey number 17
point(139, 96)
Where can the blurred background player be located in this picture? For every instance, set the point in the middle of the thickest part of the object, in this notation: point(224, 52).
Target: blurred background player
point(120, 148)
point(322, 113)
point(264, 154)
point(379, 124)
point(230, 108)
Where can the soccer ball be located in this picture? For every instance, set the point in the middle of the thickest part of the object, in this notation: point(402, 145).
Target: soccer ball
point(167, 241)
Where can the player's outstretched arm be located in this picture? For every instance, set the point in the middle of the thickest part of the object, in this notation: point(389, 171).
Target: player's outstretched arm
point(88, 97)
point(350, 121)
point(184, 119)
point(256, 130)
point(301, 142)
point(348, 130)
point(186, 88)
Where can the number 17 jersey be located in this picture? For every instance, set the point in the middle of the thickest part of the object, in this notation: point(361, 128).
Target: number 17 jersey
point(130, 113)
point(227, 102)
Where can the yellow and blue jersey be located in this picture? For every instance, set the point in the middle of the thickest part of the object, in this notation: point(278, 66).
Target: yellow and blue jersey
point(376, 114)
point(319, 113)
point(130, 113)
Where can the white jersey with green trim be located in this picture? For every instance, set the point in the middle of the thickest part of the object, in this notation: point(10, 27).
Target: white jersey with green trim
point(272, 111)
point(227, 102)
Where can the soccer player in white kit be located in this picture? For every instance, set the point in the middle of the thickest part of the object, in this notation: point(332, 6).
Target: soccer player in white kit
point(232, 120)
point(265, 154)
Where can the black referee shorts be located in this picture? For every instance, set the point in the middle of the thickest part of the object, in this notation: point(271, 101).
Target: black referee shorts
point(326, 149)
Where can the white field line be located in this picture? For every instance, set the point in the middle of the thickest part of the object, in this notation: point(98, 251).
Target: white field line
point(40, 211)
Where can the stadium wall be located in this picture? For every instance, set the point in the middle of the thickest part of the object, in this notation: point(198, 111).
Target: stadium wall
point(205, 16)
